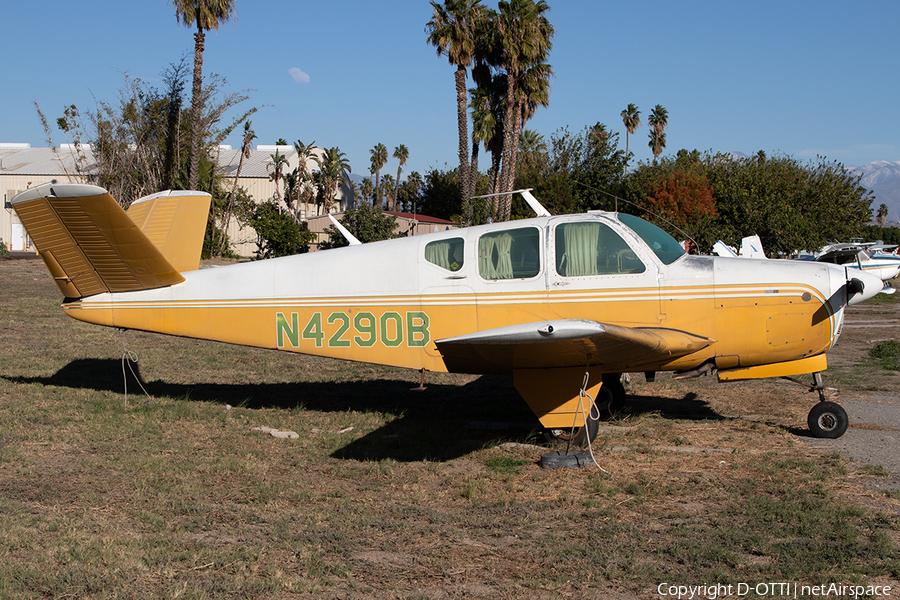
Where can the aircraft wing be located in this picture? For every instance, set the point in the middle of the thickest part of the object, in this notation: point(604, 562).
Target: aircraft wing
point(839, 256)
point(566, 343)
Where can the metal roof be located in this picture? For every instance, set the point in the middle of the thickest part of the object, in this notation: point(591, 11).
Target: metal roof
point(43, 161)
point(15, 160)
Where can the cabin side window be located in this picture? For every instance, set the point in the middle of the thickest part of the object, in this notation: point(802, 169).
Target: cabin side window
point(447, 254)
point(666, 248)
point(585, 249)
point(509, 254)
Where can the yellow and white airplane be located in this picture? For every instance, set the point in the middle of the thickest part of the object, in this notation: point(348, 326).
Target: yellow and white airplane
point(566, 304)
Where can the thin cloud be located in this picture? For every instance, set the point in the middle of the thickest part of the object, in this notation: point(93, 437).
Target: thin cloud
point(298, 75)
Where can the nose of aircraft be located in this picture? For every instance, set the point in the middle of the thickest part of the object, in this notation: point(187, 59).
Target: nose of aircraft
point(861, 285)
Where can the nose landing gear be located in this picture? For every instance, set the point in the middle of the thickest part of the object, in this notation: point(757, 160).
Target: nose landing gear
point(826, 419)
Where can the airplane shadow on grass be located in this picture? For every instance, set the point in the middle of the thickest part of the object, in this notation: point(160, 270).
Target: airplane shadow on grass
point(441, 423)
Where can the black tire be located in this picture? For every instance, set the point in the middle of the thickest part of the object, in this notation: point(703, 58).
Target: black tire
point(827, 420)
point(613, 383)
point(570, 460)
point(602, 406)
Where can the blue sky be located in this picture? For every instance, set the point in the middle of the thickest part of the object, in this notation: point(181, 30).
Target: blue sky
point(788, 77)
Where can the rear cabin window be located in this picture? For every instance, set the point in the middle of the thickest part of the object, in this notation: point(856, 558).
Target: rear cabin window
point(509, 254)
point(447, 254)
point(585, 249)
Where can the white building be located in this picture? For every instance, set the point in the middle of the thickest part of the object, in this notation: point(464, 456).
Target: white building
point(22, 167)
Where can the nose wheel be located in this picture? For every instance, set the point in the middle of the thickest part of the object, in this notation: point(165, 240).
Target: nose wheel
point(826, 419)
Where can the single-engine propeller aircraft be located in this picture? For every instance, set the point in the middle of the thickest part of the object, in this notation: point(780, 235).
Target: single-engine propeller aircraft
point(566, 304)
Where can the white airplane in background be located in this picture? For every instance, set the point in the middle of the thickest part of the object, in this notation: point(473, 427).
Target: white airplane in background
point(566, 304)
point(863, 256)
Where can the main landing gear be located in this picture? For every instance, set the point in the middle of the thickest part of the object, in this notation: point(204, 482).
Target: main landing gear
point(826, 419)
point(610, 399)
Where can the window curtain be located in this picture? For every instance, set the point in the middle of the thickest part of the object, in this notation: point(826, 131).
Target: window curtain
point(581, 249)
point(494, 258)
point(439, 254)
point(503, 244)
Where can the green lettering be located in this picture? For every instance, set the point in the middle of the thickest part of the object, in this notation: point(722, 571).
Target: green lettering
point(385, 331)
point(369, 330)
point(417, 334)
point(313, 330)
point(292, 330)
point(335, 340)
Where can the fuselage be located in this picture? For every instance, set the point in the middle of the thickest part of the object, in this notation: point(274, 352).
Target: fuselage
point(389, 302)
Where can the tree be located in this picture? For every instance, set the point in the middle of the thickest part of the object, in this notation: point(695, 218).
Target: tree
point(332, 171)
point(206, 15)
point(278, 234)
point(686, 200)
point(387, 189)
point(366, 189)
point(658, 121)
point(246, 146)
point(451, 31)
point(409, 191)
point(790, 206)
point(487, 125)
point(379, 158)
point(367, 223)
point(631, 118)
point(532, 150)
point(304, 154)
point(135, 145)
point(524, 35)
point(279, 162)
point(882, 215)
point(401, 153)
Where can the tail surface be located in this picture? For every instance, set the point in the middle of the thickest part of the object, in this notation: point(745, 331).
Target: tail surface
point(175, 222)
point(89, 244)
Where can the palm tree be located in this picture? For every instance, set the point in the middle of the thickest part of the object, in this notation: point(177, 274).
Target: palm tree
point(333, 168)
point(631, 117)
point(525, 36)
point(246, 146)
point(279, 162)
point(292, 183)
point(401, 153)
point(304, 154)
point(882, 215)
point(452, 31)
point(207, 15)
point(366, 188)
point(411, 189)
point(658, 121)
point(387, 186)
point(379, 156)
point(487, 126)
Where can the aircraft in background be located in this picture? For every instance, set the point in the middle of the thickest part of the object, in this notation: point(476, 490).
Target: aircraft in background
point(870, 257)
point(565, 304)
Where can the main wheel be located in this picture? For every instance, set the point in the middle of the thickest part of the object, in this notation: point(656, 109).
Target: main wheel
point(591, 428)
point(613, 383)
point(827, 420)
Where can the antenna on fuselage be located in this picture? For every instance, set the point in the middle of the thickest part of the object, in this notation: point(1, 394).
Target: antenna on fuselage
point(536, 206)
point(344, 232)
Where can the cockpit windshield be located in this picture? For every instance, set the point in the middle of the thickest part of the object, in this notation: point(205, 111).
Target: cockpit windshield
point(666, 248)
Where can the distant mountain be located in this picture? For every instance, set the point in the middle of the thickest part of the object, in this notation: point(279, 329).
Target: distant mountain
point(883, 178)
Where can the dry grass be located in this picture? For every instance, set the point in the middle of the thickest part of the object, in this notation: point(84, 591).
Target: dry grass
point(178, 496)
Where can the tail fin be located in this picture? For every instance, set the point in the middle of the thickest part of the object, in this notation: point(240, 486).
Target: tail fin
point(175, 222)
point(88, 242)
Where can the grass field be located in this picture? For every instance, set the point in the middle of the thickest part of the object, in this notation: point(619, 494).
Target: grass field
point(388, 492)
